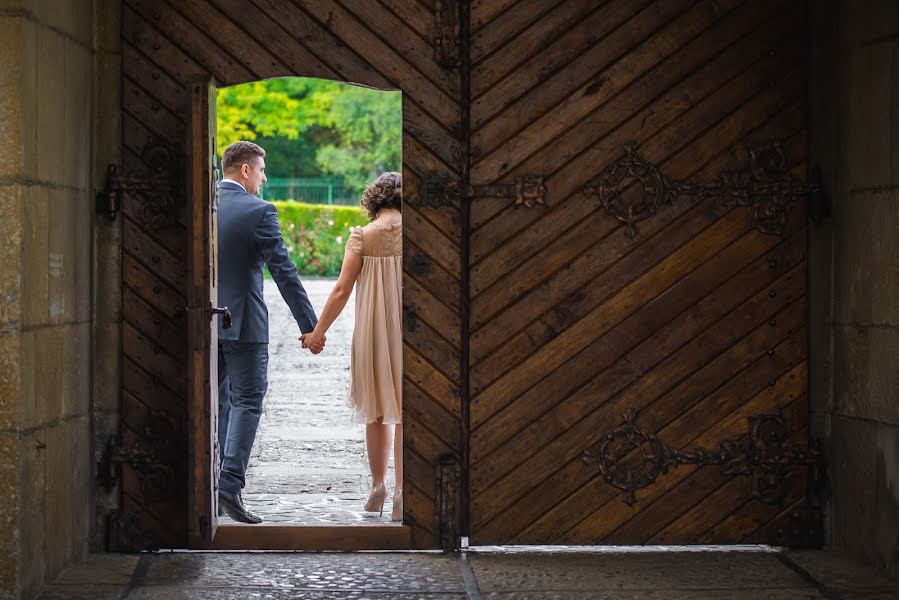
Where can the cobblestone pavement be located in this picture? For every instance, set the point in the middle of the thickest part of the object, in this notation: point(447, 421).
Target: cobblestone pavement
point(308, 463)
point(612, 573)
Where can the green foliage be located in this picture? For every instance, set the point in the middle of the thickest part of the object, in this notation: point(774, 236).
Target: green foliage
point(314, 127)
point(316, 234)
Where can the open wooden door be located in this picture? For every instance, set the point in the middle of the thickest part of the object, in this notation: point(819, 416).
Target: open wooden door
point(202, 315)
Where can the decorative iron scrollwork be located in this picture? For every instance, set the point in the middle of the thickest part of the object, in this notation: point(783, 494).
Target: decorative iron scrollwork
point(438, 191)
point(632, 189)
point(632, 458)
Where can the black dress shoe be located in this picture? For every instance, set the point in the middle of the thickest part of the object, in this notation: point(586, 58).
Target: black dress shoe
point(233, 505)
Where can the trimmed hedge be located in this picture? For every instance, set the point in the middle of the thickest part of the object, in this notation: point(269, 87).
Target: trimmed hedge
point(316, 234)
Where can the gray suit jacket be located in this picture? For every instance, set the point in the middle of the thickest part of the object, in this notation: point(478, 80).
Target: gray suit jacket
point(249, 237)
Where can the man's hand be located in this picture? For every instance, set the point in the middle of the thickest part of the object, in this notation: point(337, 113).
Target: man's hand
point(312, 342)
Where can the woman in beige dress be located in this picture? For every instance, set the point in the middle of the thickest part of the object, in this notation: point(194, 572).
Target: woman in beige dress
point(373, 262)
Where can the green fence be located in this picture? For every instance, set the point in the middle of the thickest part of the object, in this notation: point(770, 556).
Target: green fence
point(318, 190)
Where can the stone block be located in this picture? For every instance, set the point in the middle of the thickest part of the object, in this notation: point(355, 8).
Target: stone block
point(10, 254)
point(59, 499)
point(820, 278)
point(100, 569)
point(35, 255)
point(82, 259)
point(47, 369)
point(866, 491)
point(866, 376)
point(82, 486)
point(894, 116)
point(73, 18)
point(866, 160)
point(30, 411)
point(10, 378)
point(108, 269)
point(10, 96)
point(50, 121)
point(79, 82)
point(74, 369)
point(32, 526)
point(866, 22)
point(107, 365)
point(62, 255)
point(29, 98)
point(867, 258)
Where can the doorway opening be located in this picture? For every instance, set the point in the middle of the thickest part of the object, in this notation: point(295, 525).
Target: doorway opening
point(324, 141)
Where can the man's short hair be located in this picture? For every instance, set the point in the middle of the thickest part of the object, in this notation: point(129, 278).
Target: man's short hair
point(238, 153)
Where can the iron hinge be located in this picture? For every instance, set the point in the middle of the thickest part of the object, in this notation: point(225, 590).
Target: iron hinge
point(438, 191)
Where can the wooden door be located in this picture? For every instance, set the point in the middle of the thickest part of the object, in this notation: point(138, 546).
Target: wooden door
point(203, 315)
point(405, 45)
point(644, 296)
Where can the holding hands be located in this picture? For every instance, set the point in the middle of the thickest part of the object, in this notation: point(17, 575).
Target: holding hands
point(314, 342)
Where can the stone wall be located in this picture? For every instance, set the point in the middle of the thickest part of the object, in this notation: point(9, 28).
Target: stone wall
point(49, 101)
point(854, 96)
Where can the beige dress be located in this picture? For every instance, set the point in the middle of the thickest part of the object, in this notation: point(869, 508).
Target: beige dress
point(376, 367)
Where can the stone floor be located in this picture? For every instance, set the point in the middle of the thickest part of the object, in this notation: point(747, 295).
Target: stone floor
point(308, 463)
point(609, 573)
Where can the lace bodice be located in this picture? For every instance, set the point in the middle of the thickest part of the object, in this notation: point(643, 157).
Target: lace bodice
point(376, 239)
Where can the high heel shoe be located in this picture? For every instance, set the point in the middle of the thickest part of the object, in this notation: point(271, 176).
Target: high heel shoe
point(376, 499)
point(397, 514)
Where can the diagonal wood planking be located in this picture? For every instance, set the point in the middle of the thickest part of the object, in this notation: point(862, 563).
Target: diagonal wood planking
point(386, 44)
point(571, 321)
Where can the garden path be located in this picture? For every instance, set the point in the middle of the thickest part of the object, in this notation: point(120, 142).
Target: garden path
point(308, 463)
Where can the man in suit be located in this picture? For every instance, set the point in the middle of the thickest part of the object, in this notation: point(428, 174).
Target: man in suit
point(249, 237)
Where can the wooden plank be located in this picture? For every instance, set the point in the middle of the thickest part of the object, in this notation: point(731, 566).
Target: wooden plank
point(271, 536)
point(393, 32)
point(530, 42)
point(537, 484)
point(485, 11)
point(682, 434)
point(420, 408)
point(586, 490)
point(418, 371)
point(156, 47)
point(428, 308)
point(157, 326)
point(698, 101)
point(507, 27)
point(150, 389)
point(415, 15)
point(595, 76)
point(152, 289)
point(145, 351)
point(662, 263)
point(167, 90)
point(438, 353)
point(342, 23)
point(152, 114)
point(706, 171)
point(439, 247)
point(643, 340)
point(193, 41)
point(541, 71)
point(167, 266)
point(432, 276)
point(279, 50)
point(656, 136)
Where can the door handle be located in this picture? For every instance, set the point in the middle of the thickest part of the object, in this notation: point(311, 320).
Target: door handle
point(226, 315)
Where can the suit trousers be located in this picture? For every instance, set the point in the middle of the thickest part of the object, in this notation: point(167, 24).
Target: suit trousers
point(243, 381)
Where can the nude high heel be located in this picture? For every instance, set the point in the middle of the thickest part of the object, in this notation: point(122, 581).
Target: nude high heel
point(397, 514)
point(376, 499)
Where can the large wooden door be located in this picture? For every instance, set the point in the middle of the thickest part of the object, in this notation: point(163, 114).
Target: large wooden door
point(604, 270)
point(631, 306)
point(397, 44)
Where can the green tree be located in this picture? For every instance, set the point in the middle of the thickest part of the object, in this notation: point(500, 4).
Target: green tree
point(313, 127)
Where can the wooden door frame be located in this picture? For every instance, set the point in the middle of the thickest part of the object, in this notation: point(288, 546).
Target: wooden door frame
point(263, 536)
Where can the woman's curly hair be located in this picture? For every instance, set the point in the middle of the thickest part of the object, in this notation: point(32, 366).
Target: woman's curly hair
point(384, 192)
